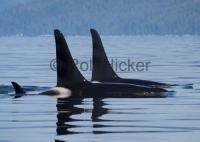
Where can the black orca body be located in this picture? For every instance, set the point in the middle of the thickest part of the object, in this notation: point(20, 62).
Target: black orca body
point(19, 91)
point(72, 83)
point(70, 77)
point(58, 92)
point(102, 70)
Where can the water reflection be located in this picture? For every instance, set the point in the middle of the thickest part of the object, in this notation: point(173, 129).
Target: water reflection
point(66, 108)
point(59, 141)
point(98, 110)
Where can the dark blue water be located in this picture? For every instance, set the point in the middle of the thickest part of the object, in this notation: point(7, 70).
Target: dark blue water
point(173, 60)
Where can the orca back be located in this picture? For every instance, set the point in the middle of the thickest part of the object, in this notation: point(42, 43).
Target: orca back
point(67, 72)
point(102, 69)
point(19, 91)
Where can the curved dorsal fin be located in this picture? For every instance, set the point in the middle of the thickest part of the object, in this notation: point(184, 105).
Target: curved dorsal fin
point(67, 71)
point(102, 69)
point(19, 91)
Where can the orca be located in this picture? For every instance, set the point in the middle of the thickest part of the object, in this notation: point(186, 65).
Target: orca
point(102, 70)
point(69, 77)
point(58, 92)
point(19, 91)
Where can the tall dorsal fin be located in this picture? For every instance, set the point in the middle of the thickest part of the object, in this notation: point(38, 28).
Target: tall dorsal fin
point(19, 91)
point(102, 69)
point(67, 72)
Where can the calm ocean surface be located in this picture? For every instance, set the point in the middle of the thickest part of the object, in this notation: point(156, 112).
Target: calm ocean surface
point(174, 60)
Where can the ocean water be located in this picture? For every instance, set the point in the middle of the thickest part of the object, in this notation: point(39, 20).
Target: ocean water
point(173, 59)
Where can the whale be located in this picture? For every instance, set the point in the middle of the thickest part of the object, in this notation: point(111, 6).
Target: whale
point(57, 92)
point(102, 70)
point(69, 77)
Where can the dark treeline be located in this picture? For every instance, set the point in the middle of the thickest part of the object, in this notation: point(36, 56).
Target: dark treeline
point(76, 17)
